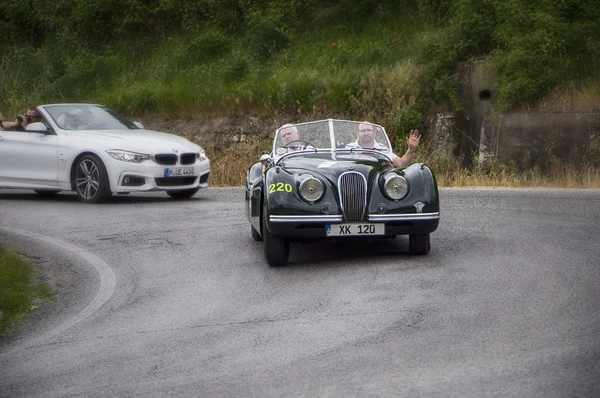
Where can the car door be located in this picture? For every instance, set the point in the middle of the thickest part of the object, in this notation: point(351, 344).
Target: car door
point(28, 159)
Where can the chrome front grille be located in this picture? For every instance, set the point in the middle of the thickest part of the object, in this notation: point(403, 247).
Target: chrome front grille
point(353, 195)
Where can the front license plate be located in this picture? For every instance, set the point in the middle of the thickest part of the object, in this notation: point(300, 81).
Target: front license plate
point(179, 171)
point(355, 229)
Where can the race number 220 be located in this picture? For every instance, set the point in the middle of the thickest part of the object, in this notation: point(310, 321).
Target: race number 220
point(280, 187)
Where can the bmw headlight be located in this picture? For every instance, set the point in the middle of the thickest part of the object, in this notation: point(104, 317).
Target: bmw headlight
point(311, 189)
point(201, 155)
point(395, 186)
point(126, 156)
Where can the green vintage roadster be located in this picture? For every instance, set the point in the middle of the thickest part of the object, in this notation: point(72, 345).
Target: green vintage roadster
point(319, 184)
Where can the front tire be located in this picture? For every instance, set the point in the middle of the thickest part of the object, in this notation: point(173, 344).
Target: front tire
point(277, 249)
point(183, 193)
point(91, 180)
point(419, 244)
point(255, 235)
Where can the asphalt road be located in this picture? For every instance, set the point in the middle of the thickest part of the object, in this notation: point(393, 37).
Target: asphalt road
point(157, 297)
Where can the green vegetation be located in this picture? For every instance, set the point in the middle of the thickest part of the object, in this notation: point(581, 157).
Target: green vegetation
point(346, 56)
point(20, 292)
point(390, 61)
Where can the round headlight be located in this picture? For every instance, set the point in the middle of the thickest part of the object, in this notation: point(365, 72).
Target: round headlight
point(311, 189)
point(395, 186)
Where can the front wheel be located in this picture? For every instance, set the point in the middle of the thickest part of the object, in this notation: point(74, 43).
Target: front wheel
point(277, 249)
point(91, 180)
point(255, 235)
point(419, 244)
point(183, 193)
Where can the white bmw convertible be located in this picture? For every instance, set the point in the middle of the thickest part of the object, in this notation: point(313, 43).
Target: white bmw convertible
point(96, 152)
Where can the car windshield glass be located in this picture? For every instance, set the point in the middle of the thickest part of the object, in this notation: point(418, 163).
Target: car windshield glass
point(360, 135)
point(345, 136)
point(313, 135)
point(88, 117)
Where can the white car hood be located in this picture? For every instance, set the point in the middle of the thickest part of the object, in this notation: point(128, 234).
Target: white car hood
point(143, 141)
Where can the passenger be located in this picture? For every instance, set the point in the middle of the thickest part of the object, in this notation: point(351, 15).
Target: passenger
point(366, 139)
point(22, 121)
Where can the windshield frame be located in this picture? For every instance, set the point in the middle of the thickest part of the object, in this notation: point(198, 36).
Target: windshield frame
point(332, 126)
point(57, 111)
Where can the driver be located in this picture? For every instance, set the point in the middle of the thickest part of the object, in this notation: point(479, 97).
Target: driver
point(290, 133)
point(74, 120)
point(366, 139)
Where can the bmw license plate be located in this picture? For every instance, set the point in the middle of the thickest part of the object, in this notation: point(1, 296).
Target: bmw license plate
point(179, 171)
point(355, 229)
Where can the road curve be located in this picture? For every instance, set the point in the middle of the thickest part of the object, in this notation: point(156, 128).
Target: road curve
point(160, 297)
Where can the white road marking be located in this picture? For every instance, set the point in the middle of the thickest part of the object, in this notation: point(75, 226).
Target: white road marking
point(108, 282)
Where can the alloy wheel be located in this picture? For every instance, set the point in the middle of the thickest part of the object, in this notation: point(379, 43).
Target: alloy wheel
point(87, 179)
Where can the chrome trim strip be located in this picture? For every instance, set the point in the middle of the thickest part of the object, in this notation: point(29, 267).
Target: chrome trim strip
point(404, 217)
point(304, 219)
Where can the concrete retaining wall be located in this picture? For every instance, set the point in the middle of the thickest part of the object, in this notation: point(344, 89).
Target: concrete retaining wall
point(526, 139)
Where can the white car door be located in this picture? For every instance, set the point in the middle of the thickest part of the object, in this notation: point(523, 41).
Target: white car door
point(28, 159)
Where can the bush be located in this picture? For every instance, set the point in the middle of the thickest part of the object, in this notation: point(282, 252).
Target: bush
point(266, 40)
point(534, 45)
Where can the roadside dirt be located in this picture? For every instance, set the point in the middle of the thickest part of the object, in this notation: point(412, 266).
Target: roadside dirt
point(210, 130)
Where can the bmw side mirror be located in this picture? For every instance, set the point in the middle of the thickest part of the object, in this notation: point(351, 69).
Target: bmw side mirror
point(38, 127)
point(140, 125)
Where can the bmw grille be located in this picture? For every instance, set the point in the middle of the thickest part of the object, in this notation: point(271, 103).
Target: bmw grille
point(168, 159)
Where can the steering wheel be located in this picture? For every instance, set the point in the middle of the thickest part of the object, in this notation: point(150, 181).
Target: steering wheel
point(306, 143)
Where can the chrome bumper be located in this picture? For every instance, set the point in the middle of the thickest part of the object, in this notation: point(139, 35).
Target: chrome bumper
point(339, 219)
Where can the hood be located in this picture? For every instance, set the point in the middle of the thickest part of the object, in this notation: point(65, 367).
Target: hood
point(144, 141)
point(330, 168)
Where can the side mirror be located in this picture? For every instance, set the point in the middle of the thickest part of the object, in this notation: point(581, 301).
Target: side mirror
point(140, 125)
point(38, 126)
point(265, 159)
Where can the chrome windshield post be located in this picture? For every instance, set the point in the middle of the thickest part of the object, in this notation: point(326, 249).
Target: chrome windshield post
point(332, 138)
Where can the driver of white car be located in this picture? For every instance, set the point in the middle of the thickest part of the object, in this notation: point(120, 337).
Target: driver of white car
point(74, 120)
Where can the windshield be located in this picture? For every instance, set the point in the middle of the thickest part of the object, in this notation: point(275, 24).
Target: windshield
point(87, 117)
point(338, 135)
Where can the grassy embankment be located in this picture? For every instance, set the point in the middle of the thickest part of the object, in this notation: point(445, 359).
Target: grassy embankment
point(390, 62)
point(20, 291)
